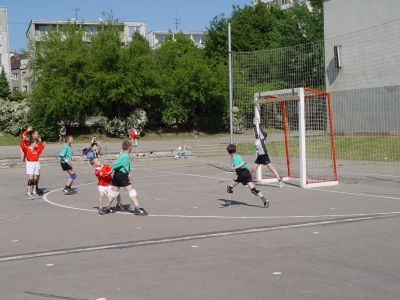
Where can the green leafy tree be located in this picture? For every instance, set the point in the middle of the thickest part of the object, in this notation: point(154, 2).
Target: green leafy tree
point(59, 65)
point(261, 27)
point(4, 87)
point(193, 91)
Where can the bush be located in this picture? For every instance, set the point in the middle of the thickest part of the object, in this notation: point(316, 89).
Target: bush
point(120, 128)
point(238, 124)
point(137, 120)
point(116, 127)
point(13, 116)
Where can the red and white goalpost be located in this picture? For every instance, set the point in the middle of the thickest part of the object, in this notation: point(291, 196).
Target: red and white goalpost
point(300, 138)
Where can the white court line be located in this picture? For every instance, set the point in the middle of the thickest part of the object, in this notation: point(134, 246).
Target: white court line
point(313, 189)
point(182, 238)
point(355, 194)
point(45, 198)
point(372, 174)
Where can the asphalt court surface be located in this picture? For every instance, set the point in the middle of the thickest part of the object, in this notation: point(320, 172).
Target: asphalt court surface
point(336, 242)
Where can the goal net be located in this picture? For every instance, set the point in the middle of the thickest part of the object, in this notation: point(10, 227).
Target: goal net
point(299, 136)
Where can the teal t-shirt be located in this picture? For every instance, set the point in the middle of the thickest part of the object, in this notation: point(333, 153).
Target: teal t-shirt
point(238, 160)
point(66, 153)
point(123, 163)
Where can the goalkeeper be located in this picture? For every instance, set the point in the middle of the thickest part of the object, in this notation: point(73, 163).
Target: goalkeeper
point(261, 149)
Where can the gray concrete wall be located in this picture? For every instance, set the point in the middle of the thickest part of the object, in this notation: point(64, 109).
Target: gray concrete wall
point(365, 89)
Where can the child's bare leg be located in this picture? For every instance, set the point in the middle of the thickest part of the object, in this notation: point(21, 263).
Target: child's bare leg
point(37, 181)
point(132, 195)
point(253, 189)
point(70, 181)
point(119, 199)
point(30, 186)
point(254, 167)
point(111, 199)
point(34, 177)
point(274, 171)
point(230, 189)
point(101, 195)
point(256, 192)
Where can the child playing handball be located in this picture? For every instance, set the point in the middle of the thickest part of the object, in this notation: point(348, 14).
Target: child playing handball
point(66, 164)
point(103, 185)
point(261, 149)
point(32, 153)
point(122, 176)
point(134, 135)
point(243, 176)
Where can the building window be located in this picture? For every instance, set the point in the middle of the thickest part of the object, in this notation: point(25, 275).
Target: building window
point(23, 74)
point(132, 30)
point(284, 2)
point(42, 28)
point(15, 76)
point(90, 30)
point(25, 88)
point(161, 38)
point(16, 88)
point(198, 39)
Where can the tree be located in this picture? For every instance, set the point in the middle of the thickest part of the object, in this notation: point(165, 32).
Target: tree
point(59, 65)
point(193, 91)
point(261, 27)
point(4, 87)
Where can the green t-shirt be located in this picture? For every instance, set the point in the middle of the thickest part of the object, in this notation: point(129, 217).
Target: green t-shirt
point(238, 160)
point(123, 163)
point(65, 153)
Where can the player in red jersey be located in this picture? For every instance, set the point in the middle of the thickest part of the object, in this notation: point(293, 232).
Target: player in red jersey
point(32, 153)
point(104, 185)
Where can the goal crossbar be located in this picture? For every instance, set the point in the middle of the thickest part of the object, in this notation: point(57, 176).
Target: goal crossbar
point(285, 95)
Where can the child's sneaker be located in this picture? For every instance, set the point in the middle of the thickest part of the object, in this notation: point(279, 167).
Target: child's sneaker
point(280, 183)
point(35, 196)
point(67, 191)
point(72, 191)
point(101, 211)
point(30, 196)
point(265, 201)
point(106, 210)
point(118, 207)
point(140, 212)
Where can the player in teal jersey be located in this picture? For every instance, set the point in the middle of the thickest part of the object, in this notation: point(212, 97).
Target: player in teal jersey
point(243, 176)
point(121, 178)
point(66, 164)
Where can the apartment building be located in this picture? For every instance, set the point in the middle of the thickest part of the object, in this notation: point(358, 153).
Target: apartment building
point(4, 43)
point(19, 80)
point(155, 38)
point(282, 3)
point(38, 29)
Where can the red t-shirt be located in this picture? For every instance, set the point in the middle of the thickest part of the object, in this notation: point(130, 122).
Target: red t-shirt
point(133, 133)
point(101, 174)
point(31, 154)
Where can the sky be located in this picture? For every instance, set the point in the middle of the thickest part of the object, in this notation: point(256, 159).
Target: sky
point(158, 14)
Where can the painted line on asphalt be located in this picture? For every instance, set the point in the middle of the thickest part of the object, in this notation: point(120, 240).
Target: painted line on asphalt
point(287, 186)
point(166, 174)
point(185, 238)
point(45, 198)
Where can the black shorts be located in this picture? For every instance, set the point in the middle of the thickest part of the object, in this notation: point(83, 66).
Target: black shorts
point(120, 179)
point(243, 176)
point(65, 166)
point(263, 159)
